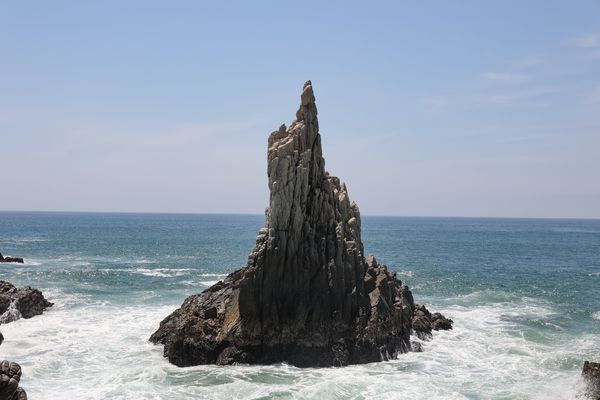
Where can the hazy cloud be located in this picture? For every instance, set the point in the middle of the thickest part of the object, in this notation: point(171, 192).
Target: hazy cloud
point(504, 98)
point(505, 77)
point(595, 54)
point(514, 97)
point(527, 62)
point(587, 40)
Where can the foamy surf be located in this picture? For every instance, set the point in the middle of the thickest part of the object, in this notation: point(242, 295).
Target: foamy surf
point(99, 350)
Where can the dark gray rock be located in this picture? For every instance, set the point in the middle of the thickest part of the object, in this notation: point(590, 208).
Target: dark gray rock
point(440, 323)
point(308, 295)
point(591, 375)
point(424, 322)
point(421, 322)
point(11, 259)
point(10, 376)
point(25, 302)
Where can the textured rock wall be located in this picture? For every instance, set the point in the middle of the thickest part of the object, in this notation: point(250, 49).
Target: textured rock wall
point(591, 375)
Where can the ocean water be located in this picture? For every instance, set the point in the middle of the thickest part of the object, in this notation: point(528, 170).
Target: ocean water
point(524, 296)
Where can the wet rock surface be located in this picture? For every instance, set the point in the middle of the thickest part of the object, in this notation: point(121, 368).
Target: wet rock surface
point(24, 302)
point(308, 295)
point(591, 376)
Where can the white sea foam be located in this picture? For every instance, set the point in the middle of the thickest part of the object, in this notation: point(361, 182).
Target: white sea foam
point(31, 263)
point(11, 313)
point(574, 230)
point(97, 350)
point(596, 315)
point(22, 240)
point(156, 272)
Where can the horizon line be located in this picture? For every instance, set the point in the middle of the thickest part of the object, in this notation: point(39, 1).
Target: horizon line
point(262, 214)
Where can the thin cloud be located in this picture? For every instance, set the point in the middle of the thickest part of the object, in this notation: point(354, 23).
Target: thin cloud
point(439, 100)
point(506, 98)
point(505, 77)
point(527, 62)
point(514, 97)
point(587, 40)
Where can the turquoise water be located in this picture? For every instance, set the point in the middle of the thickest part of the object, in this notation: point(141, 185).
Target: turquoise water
point(524, 295)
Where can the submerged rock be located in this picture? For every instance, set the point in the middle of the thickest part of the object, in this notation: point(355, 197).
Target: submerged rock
point(10, 259)
point(591, 375)
point(24, 302)
point(308, 295)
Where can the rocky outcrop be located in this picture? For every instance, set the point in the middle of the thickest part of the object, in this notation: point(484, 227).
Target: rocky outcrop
point(591, 375)
point(10, 376)
point(424, 322)
point(24, 302)
point(308, 295)
point(10, 259)
point(14, 304)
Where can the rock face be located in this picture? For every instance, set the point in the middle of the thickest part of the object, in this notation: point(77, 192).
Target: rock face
point(10, 375)
point(591, 375)
point(16, 303)
point(11, 259)
point(308, 295)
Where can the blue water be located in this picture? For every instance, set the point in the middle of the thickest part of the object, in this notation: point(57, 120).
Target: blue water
point(524, 295)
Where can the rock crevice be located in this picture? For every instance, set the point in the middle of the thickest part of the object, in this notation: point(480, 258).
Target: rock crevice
point(308, 295)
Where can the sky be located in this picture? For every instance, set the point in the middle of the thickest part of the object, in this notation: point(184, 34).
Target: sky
point(439, 108)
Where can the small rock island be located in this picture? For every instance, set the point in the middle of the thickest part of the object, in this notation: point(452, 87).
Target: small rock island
point(24, 302)
point(10, 259)
point(308, 295)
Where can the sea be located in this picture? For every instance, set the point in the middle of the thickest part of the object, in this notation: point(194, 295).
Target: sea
point(524, 295)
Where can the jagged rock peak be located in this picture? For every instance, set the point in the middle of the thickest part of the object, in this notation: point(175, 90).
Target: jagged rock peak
point(307, 295)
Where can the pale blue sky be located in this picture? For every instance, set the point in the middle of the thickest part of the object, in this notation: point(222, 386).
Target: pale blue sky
point(453, 108)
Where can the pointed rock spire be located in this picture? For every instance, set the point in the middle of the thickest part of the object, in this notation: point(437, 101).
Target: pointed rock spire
point(307, 295)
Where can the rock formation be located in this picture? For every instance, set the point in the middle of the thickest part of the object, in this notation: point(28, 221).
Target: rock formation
point(24, 302)
point(308, 295)
point(10, 259)
point(591, 375)
point(424, 322)
point(10, 375)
